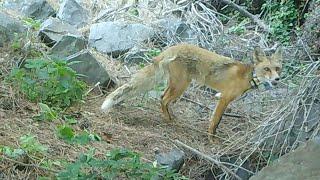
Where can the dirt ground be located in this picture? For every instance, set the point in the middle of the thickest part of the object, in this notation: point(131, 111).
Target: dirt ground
point(137, 124)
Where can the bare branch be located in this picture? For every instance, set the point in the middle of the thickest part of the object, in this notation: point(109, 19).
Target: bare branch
point(244, 12)
point(208, 158)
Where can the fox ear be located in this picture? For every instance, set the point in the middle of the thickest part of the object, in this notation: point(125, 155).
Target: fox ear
point(258, 55)
point(277, 56)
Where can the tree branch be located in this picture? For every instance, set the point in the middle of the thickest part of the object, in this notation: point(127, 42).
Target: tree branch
point(244, 12)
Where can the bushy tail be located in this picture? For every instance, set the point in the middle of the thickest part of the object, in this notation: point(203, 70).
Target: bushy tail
point(141, 82)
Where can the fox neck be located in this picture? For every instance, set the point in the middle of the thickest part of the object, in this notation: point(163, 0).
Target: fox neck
point(254, 80)
point(252, 76)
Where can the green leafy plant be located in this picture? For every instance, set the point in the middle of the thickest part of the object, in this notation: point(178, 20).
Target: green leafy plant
point(52, 83)
point(153, 52)
point(282, 17)
point(31, 145)
point(69, 119)
point(134, 11)
point(11, 152)
point(239, 28)
point(16, 44)
point(46, 113)
point(35, 24)
point(66, 133)
point(118, 164)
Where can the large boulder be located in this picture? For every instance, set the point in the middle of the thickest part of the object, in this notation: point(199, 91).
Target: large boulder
point(73, 13)
point(87, 65)
point(9, 27)
point(303, 163)
point(52, 30)
point(36, 9)
point(116, 38)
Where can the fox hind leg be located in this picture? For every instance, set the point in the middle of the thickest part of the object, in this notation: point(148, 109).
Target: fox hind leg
point(175, 89)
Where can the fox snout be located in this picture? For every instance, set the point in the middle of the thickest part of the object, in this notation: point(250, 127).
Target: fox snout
point(275, 81)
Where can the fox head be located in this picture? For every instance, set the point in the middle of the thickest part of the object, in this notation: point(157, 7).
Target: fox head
point(267, 68)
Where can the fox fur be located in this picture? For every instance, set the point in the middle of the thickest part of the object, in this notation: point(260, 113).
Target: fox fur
point(181, 64)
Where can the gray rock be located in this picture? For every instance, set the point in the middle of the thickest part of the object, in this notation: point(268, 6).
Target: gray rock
point(12, 4)
point(173, 159)
point(177, 30)
point(36, 9)
point(136, 55)
point(52, 30)
point(9, 27)
point(68, 45)
point(303, 163)
point(88, 66)
point(116, 37)
point(73, 13)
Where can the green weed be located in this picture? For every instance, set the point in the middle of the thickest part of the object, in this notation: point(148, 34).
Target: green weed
point(28, 144)
point(31, 145)
point(282, 17)
point(66, 133)
point(35, 24)
point(153, 52)
point(49, 82)
point(118, 164)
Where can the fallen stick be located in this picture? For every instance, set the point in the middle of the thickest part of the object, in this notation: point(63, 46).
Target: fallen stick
point(204, 106)
point(208, 158)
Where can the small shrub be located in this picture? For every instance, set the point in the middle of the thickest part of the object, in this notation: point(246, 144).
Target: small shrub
point(282, 17)
point(118, 164)
point(31, 145)
point(50, 82)
point(34, 24)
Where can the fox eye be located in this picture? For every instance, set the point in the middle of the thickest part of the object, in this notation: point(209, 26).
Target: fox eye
point(277, 69)
point(267, 69)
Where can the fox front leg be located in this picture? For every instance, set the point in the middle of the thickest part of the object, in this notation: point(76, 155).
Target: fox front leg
point(222, 105)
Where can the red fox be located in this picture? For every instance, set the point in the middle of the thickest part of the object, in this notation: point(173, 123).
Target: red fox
point(181, 64)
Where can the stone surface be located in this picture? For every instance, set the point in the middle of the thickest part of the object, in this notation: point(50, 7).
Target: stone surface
point(9, 27)
point(116, 37)
point(174, 28)
point(73, 13)
point(12, 4)
point(68, 45)
point(173, 159)
point(52, 30)
point(310, 34)
point(303, 163)
point(37, 9)
point(88, 66)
